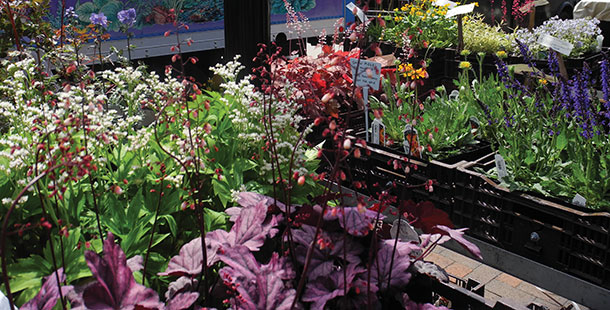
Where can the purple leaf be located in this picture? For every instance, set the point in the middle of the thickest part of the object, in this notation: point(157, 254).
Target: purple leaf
point(135, 263)
point(381, 267)
point(115, 287)
point(49, 293)
point(324, 289)
point(182, 301)
point(458, 236)
point(182, 284)
point(258, 287)
point(190, 259)
point(357, 222)
point(251, 199)
point(251, 229)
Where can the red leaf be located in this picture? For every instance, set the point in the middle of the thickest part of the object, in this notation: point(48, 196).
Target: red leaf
point(425, 216)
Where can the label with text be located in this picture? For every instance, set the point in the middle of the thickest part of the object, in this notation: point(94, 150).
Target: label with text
point(556, 44)
point(501, 166)
point(460, 10)
point(378, 132)
point(351, 6)
point(369, 73)
point(579, 200)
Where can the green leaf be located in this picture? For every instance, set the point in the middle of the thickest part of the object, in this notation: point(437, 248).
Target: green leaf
point(171, 222)
point(561, 141)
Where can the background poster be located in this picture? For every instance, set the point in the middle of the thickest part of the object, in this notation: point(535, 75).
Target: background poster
point(154, 18)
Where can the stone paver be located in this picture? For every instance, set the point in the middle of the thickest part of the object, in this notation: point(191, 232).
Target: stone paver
point(506, 291)
point(461, 259)
point(440, 260)
point(508, 279)
point(532, 290)
point(458, 270)
point(483, 274)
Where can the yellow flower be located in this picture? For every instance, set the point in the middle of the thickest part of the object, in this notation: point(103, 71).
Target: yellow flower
point(476, 4)
point(501, 54)
point(543, 81)
point(465, 65)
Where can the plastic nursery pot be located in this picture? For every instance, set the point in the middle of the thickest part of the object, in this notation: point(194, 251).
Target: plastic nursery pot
point(556, 233)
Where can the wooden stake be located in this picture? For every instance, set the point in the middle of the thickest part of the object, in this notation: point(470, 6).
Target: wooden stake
point(460, 46)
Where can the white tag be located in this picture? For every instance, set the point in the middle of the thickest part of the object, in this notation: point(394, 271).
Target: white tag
point(351, 6)
point(579, 200)
point(526, 8)
point(369, 73)
point(558, 45)
point(378, 132)
point(501, 166)
point(406, 233)
point(451, 4)
point(600, 42)
point(460, 10)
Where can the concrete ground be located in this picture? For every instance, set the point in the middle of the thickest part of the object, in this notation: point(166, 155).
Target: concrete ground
point(497, 283)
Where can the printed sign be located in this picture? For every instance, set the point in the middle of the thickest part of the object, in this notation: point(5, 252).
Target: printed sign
point(378, 132)
point(369, 73)
point(411, 142)
point(579, 200)
point(460, 10)
point(556, 44)
point(501, 166)
point(450, 4)
point(351, 6)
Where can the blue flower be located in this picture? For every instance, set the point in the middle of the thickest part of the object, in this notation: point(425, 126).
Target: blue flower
point(70, 13)
point(99, 19)
point(127, 17)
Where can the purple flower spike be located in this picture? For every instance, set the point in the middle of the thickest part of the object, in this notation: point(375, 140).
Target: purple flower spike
point(127, 17)
point(99, 19)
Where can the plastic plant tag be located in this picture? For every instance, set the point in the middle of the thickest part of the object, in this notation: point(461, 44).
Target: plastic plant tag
point(600, 42)
point(369, 73)
point(460, 10)
point(378, 135)
point(500, 166)
point(450, 4)
point(411, 142)
point(351, 6)
point(556, 44)
point(579, 200)
point(454, 95)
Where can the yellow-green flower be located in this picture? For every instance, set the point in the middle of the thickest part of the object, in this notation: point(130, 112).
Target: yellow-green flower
point(465, 65)
point(501, 54)
point(543, 81)
point(465, 52)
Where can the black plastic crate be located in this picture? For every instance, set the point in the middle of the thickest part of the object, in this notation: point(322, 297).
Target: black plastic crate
point(555, 233)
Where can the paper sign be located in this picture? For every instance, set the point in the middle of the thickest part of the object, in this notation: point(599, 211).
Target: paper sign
point(411, 142)
point(369, 73)
point(378, 132)
point(526, 8)
point(351, 6)
point(460, 10)
point(558, 45)
point(501, 166)
point(579, 200)
point(450, 4)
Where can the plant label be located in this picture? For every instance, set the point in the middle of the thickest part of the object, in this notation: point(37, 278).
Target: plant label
point(450, 4)
point(501, 166)
point(351, 6)
point(527, 7)
point(556, 44)
point(378, 129)
point(460, 10)
point(405, 232)
point(369, 73)
point(579, 200)
point(411, 142)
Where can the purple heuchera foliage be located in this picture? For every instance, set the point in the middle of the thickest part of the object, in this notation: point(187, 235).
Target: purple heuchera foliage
point(115, 287)
point(458, 236)
point(381, 267)
point(257, 287)
point(135, 263)
point(357, 222)
point(324, 289)
point(189, 261)
point(329, 247)
point(49, 293)
point(182, 301)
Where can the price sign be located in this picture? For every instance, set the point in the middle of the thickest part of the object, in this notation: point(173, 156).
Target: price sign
point(556, 44)
point(501, 166)
point(378, 132)
point(368, 75)
point(450, 4)
point(351, 6)
point(460, 10)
